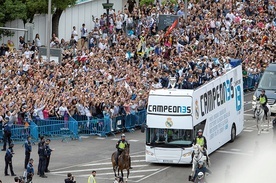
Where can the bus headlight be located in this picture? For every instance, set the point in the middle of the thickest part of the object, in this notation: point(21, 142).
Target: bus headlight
point(187, 154)
point(254, 98)
point(149, 153)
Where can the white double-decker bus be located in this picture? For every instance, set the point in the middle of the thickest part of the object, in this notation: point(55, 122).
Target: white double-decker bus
point(175, 115)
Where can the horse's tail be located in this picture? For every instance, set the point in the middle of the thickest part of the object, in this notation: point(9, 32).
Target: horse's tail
point(113, 159)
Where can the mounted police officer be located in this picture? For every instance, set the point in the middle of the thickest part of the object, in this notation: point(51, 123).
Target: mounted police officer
point(263, 102)
point(201, 140)
point(8, 160)
point(121, 145)
point(28, 150)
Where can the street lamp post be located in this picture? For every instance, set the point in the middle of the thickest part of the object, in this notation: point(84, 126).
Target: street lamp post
point(186, 10)
point(107, 14)
point(49, 30)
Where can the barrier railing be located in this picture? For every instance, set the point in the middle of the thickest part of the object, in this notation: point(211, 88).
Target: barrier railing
point(71, 128)
point(251, 81)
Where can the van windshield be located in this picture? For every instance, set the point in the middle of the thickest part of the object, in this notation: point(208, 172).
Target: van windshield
point(169, 137)
point(268, 81)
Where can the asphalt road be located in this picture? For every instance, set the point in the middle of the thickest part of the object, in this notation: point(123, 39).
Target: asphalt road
point(249, 159)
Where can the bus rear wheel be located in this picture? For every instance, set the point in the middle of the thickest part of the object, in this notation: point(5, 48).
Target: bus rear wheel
point(233, 133)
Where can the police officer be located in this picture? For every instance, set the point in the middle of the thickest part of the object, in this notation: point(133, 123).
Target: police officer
point(121, 145)
point(8, 160)
point(263, 102)
point(201, 140)
point(30, 170)
point(48, 154)
point(42, 157)
point(28, 150)
point(7, 134)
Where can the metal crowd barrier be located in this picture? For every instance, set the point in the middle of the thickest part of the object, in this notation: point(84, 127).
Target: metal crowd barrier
point(71, 128)
point(62, 128)
point(251, 81)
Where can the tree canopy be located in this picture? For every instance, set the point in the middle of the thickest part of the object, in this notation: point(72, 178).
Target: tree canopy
point(26, 9)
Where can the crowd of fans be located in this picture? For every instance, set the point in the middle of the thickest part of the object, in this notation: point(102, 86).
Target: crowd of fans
point(127, 57)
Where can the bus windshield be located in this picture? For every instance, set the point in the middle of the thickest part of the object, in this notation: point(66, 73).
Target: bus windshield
point(268, 81)
point(169, 137)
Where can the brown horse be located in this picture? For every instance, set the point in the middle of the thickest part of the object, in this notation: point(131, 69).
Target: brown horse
point(123, 162)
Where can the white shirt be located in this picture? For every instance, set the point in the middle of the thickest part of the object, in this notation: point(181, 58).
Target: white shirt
point(28, 54)
point(119, 24)
point(75, 34)
point(37, 42)
point(87, 112)
point(62, 110)
point(83, 32)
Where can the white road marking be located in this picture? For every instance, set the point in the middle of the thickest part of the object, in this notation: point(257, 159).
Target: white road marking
point(130, 177)
point(63, 168)
point(246, 103)
point(137, 156)
point(98, 169)
point(114, 139)
point(99, 138)
point(133, 140)
point(236, 153)
point(152, 174)
point(248, 110)
point(237, 150)
point(109, 163)
point(248, 130)
point(131, 172)
point(250, 93)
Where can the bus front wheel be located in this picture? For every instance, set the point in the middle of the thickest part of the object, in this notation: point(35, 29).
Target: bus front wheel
point(233, 133)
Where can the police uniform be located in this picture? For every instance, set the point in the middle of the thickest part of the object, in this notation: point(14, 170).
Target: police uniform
point(6, 136)
point(48, 155)
point(8, 160)
point(263, 102)
point(28, 150)
point(42, 158)
point(201, 141)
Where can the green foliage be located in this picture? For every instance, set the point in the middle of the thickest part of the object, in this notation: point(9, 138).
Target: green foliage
point(62, 4)
point(14, 9)
point(169, 2)
point(146, 2)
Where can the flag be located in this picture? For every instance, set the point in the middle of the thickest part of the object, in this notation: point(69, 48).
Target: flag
point(127, 87)
point(171, 27)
